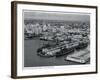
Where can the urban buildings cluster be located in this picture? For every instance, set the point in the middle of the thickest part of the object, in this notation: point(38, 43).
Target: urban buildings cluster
point(57, 29)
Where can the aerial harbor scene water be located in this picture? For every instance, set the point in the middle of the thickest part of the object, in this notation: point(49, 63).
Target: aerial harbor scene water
point(56, 39)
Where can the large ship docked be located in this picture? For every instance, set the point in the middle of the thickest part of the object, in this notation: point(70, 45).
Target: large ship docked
point(56, 49)
point(62, 48)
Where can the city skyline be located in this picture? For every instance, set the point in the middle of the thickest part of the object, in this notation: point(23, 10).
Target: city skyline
point(62, 16)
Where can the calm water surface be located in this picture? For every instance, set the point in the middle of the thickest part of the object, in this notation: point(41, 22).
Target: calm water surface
point(32, 60)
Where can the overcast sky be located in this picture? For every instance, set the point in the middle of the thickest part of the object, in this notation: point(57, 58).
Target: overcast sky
point(56, 16)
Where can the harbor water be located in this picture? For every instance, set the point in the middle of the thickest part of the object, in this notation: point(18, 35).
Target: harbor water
point(31, 59)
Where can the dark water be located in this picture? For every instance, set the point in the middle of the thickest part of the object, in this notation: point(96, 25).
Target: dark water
point(32, 60)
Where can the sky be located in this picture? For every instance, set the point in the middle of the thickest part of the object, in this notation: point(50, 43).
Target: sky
point(44, 15)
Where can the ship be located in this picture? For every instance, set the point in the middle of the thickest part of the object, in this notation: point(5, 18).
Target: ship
point(68, 48)
point(56, 49)
point(48, 50)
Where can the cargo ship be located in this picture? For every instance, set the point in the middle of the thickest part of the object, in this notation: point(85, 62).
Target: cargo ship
point(69, 48)
point(56, 49)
